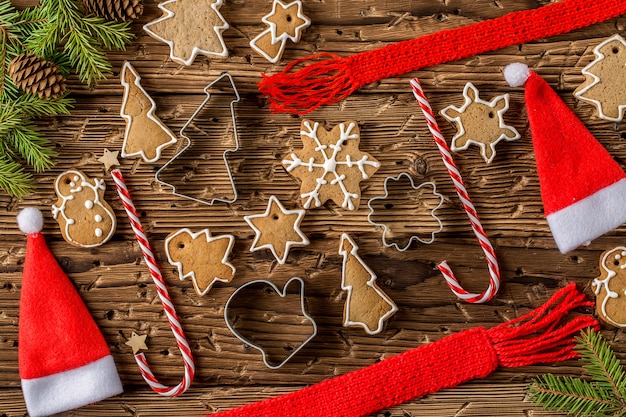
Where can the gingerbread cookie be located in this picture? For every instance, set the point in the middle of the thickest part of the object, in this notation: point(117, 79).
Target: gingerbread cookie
point(201, 257)
point(277, 229)
point(330, 165)
point(610, 287)
point(146, 135)
point(190, 27)
point(480, 123)
point(85, 219)
point(367, 306)
point(605, 79)
point(286, 22)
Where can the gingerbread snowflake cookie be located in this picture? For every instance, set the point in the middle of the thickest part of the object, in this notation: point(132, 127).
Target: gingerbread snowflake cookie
point(190, 27)
point(85, 218)
point(286, 23)
point(480, 122)
point(330, 165)
point(605, 80)
point(610, 287)
point(201, 257)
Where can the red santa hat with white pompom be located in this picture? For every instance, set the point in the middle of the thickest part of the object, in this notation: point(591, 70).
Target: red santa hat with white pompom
point(64, 361)
point(582, 187)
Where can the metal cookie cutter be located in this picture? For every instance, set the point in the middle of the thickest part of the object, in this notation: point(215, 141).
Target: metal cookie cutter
point(387, 229)
point(282, 294)
point(236, 99)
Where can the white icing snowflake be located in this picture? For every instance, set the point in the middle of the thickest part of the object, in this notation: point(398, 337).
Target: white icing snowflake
point(330, 165)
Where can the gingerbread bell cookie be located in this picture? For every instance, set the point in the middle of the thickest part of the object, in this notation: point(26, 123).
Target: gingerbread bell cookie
point(605, 80)
point(285, 23)
point(330, 165)
point(480, 122)
point(610, 287)
point(85, 218)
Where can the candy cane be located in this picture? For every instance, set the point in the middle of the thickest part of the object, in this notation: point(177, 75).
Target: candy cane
point(172, 317)
point(492, 262)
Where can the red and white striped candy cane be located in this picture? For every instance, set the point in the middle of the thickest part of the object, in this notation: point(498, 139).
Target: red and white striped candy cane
point(492, 262)
point(164, 295)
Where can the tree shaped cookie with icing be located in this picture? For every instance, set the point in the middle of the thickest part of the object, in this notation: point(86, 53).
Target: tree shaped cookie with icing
point(330, 165)
point(201, 257)
point(367, 306)
point(605, 80)
point(480, 122)
point(146, 135)
point(190, 27)
point(277, 229)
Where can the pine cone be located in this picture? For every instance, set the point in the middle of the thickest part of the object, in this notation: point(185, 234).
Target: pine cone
point(114, 9)
point(35, 75)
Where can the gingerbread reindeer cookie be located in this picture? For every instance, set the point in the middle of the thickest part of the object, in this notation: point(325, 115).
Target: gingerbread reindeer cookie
point(610, 287)
point(86, 220)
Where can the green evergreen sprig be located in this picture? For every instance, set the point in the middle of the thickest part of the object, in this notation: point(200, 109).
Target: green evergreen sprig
point(603, 394)
point(57, 31)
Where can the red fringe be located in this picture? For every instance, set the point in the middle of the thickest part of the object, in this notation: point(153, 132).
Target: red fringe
point(535, 338)
point(301, 92)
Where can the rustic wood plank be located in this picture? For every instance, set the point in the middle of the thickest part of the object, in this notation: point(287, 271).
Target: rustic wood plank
point(117, 288)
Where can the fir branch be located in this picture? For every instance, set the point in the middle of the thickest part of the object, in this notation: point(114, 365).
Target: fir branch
point(35, 106)
point(603, 396)
point(13, 178)
point(33, 147)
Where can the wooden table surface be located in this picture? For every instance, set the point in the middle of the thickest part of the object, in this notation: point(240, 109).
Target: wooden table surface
point(114, 281)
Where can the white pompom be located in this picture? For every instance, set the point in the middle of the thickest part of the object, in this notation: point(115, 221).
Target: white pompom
point(30, 220)
point(516, 74)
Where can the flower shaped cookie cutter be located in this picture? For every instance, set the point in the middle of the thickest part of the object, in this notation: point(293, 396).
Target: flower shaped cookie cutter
point(282, 293)
point(183, 133)
point(385, 226)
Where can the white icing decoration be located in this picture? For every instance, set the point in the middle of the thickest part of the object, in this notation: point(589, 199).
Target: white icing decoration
point(98, 218)
point(330, 164)
point(98, 232)
point(600, 284)
point(88, 204)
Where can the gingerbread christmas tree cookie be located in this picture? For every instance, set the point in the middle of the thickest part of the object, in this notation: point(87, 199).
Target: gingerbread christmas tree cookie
point(190, 27)
point(201, 257)
point(330, 165)
point(480, 122)
point(605, 80)
point(146, 135)
point(277, 229)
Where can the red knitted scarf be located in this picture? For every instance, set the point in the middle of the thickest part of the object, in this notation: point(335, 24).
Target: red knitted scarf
point(333, 78)
point(533, 338)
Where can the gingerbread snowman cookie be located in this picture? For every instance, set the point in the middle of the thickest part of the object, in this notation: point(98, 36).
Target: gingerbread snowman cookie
point(610, 287)
point(85, 218)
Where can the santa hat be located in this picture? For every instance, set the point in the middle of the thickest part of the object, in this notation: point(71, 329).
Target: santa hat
point(64, 360)
point(583, 189)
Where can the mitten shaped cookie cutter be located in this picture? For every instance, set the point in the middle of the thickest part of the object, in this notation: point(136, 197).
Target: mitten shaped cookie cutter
point(187, 125)
point(387, 229)
point(282, 293)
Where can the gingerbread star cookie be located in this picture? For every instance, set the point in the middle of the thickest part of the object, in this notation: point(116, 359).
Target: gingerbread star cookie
point(480, 122)
point(201, 257)
point(277, 229)
point(605, 80)
point(146, 135)
point(286, 22)
point(190, 27)
point(330, 165)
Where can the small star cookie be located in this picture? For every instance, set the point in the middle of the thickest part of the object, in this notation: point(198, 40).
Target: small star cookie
point(109, 159)
point(480, 123)
point(605, 80)
point(277, 229)
point(286, 22)
point(137, 342)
